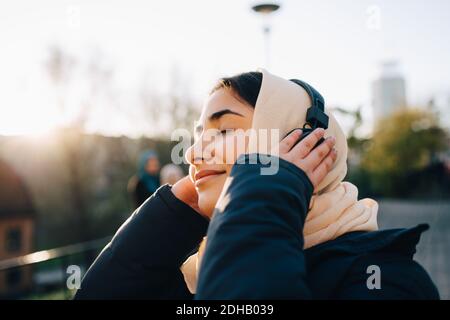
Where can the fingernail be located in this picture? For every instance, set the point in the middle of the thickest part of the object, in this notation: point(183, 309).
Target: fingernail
point(332, 139)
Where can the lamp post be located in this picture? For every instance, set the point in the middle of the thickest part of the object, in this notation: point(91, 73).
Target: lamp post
point(264, 10)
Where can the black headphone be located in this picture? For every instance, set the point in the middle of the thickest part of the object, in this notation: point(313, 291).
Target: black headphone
point(315, 115)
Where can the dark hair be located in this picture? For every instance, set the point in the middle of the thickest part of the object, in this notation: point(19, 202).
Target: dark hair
point(246, 86)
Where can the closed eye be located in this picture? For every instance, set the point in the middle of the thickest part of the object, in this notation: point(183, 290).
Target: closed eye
point(226, 131)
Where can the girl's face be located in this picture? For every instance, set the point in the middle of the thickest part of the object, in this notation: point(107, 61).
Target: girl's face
point(217, 145)
point(152, 166)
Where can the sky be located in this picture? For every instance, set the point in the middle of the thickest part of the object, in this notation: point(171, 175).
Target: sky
point(337, 46)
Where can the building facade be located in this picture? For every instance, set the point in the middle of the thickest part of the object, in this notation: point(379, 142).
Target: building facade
point(388, 91)
point(17, 218)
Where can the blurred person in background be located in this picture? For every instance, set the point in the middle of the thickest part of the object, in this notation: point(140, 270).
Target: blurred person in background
point(147, 180)
point(171, 173)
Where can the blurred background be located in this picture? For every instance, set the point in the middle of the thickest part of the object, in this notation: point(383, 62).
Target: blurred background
point(90, 92)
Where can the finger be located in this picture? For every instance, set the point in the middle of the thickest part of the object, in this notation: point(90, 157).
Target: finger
point(287, 142)
point(315, 157)
point(323, 168)
point(304, 147)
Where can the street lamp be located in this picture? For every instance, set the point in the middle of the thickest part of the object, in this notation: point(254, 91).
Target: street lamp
point(264, 10)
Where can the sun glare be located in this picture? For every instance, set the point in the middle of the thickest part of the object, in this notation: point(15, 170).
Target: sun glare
point(32, 113)
point(37, 121)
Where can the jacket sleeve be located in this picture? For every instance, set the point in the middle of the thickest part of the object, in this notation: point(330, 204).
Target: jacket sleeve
point(142, 260)
point(254, 244)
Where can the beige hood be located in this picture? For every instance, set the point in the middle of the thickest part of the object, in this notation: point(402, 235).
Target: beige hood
point(282, 104)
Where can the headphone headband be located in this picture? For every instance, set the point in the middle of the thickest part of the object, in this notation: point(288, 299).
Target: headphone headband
point(315, 115)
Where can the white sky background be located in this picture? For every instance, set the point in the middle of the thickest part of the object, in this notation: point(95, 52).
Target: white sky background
point(325, 42)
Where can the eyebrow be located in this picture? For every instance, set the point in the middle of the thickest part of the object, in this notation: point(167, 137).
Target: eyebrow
point(216, 116)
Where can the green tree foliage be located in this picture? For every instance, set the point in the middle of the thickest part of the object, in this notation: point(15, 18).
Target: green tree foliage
point(404, 143)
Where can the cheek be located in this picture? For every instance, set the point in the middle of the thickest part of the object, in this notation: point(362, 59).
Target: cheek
point(229, 148)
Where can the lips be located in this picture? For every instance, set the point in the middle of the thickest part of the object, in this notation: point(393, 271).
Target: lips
point(203, 175)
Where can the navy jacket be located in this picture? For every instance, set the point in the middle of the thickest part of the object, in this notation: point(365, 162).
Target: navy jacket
point(254, 249)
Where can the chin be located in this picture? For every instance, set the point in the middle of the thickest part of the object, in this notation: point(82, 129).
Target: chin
point(208, 197)
point(206, 206)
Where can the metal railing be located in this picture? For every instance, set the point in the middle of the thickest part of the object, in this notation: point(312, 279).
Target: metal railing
point(38, 274)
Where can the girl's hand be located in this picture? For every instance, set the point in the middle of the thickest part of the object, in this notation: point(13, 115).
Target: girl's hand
point(184, 190)
point(315, 163)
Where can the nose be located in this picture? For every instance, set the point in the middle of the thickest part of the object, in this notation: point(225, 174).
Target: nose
point(197, 153)
point(191, 155)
